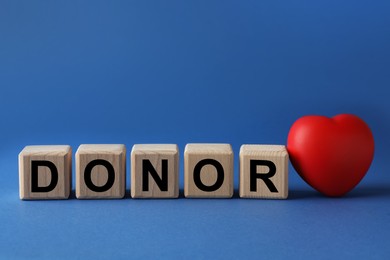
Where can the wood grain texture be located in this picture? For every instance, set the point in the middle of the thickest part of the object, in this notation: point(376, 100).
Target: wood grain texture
point(115, 154)
point(60, 156)
point(274, 153)
point(155, 153)
point(193, 154)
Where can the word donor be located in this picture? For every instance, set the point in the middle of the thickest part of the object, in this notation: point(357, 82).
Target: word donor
point(45, 172)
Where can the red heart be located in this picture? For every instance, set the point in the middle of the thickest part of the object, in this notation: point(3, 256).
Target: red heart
point(331, 154)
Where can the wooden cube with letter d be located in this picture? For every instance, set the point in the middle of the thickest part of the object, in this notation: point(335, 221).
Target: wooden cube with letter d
point(45, 172)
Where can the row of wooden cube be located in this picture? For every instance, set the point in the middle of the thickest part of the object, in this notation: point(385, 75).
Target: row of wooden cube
point(45, 172)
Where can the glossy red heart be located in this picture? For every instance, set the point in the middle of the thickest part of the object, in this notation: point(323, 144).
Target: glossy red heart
point(331, 154)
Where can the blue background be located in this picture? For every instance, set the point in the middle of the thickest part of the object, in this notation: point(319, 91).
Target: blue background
point(74, 72)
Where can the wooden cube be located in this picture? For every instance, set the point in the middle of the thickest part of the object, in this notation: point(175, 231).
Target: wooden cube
point(208, 171)
point(155, 171)
point(263, 171)
point(45, 172)
point(101, 171)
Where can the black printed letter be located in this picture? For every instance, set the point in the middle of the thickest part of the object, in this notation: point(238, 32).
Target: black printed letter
point(147, 167)
point(88, 173)
point(220, 175)
point(34, 176)
point(254, 175)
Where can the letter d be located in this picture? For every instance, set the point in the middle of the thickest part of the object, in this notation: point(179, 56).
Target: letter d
point(34, 176)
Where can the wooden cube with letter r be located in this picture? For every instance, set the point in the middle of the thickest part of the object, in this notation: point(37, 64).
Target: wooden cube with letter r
point(263, 171)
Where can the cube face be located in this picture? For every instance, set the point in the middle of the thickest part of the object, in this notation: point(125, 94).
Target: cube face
point(208, 171)
point(45, 172)
point(263, 171)
point(155, 171)
point(101, 171)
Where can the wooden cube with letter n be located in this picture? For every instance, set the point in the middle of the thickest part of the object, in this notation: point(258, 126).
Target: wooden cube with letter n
point(208, 171)
point(263, 171)
point(101, 171)
point(155, 171)
point(45, 172)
